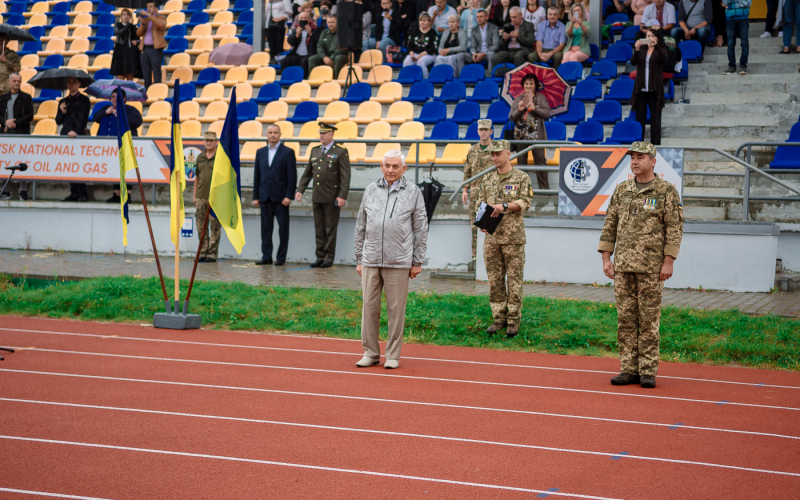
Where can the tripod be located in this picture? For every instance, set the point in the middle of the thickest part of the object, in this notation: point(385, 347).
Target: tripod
point(7, 350)
point(352, 76)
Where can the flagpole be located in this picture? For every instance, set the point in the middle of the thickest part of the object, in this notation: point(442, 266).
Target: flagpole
point(197, 257)
point(177, 243)
point(152, 240)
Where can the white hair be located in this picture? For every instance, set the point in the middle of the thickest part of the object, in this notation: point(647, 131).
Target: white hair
point(394, 153)
point(514, 10)
point(454, 16)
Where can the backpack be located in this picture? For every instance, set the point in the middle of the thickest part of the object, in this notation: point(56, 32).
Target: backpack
point(673, 55)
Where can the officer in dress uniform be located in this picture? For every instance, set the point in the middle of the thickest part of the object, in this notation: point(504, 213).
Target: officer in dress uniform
point(329, 168)
point(507, 191)
point(644, 224)
point(478, 159)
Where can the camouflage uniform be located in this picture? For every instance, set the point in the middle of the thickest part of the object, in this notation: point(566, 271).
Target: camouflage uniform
point(504, 251)
point(12, 65)
point(478, 160)
point(644, 226)
point(210, 244)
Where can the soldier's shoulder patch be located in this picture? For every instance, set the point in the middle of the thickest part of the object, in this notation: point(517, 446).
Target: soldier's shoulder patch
point(530, 191)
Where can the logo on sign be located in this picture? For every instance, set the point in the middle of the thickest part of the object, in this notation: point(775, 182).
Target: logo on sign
point(581, 175)
point(188, 227)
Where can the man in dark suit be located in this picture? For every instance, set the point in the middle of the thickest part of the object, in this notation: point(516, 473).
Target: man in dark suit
point(273, 190)
point(303, 39)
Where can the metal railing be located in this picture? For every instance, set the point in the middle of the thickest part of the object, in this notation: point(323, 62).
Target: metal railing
point(746, 191)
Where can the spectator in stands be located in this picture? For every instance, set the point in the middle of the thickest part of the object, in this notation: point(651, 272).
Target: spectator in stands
point(421, 44)
point(528, 113)
point(791, 20)
point(408, 13)
point(303, 38)
point(469, 17)
point(9, 63)
point(16, 109)
point(502, 13)
point(518, 40)
point(694, 19)
point(551, 39)
point(737, 21)
point(277, 12)
point(73, 115)
point(452, 45)
point(152, 27)
point(387, 28)
point(125, 63)
point(440, 14)
point(649, 55)
point(204, 166)
point(328, 52)
point(577, 30)
point(564, 8)
point(661, 11)
point(534, 13)
point(297, 7)
point(620, 6)
point(772, 13)
point(306, 7)
point(484, 42)
point(638, 6)
point(106, 117)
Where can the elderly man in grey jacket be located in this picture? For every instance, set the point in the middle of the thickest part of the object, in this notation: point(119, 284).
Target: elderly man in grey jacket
point(390, 242)
point(452, 45)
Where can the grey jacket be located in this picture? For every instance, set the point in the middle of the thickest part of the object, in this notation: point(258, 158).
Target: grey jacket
point(392, 227)
point(492, 39)
point(462, 42)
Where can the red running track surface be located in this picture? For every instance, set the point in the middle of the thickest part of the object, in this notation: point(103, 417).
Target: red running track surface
point(124, 411)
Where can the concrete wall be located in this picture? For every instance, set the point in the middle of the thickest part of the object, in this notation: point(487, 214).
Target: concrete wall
point(789, 247)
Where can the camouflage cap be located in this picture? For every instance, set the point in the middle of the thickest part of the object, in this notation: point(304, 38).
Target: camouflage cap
point(210, 136)
point(499, 145)
point(642, 147)
point(485, 123)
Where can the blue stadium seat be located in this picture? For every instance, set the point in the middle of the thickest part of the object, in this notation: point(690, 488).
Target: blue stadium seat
point(176, 31)
point(48, 95)
point(101, 47)
point(603, 71)
point(607, 111)
point(621, 90)
point(306, 111)
point(669, 93)
point(102, 74)
point(247, 110)
point(18, 19)
point(244, 19)
point(620, 53)
point(31, 47)
point(36, 32)
point(59, 20)
point(102, 8)
point(575, 114)
point(498, 112)
point(632, 116)
point(17, 9)
point(52, 61)
point(206, 76)
point(433, 112)
point(452, 92)
point(588, 90)
point(556, 131)
point(794, 134)
point(626, 133)
point(197, 18)
point(249, 41)
point(440, 74)
point(499, 79)
point(420, 92)
point(466, 112)
point(188, 92)
point(356, 93)
point(444, 131)
point(102, 20)
point(268, 93)
point(588, 133)
point(104, 32)
point(786, 157)
point(472, 133)
point(619, 17)
point(485, 91)
point(59, 8)
point(571, 72)
point(409, 75)
point(629, 35)
point(241, 6)
point(291, 75)
point(247, 32)
point(471, 73)
point(177, 46)
point(691, 51)
point(194, 6)
point(595, 51)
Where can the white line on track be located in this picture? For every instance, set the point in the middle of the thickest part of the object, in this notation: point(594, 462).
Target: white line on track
point(314, 351)
point(408, 377)
point(411, 435)
point(304, 466)
point(397, 401)
point(47, 494)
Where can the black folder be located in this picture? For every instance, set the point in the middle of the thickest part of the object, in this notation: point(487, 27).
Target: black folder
point(484, 219)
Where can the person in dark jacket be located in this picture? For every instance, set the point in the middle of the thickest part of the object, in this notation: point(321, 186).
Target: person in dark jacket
point(408, 15)
point(16, 111)
point(388, 26)
point(73, 115)
point(125, 63)
point(421, 44)
point(648, 92)
point(106, 116)
point(303, 38)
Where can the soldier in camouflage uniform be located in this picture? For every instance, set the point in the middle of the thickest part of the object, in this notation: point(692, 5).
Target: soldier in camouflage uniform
point(644, 223)
point(9, 63)
point(507, 191)
point(478, 159)
point(204, 166)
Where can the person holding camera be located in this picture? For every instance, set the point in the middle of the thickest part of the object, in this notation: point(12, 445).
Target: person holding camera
point(578, 30)
point(303, 38)
point(152, 27)
point(528, 112)
point(518, 40)
point(387, 28)
point(649, 55)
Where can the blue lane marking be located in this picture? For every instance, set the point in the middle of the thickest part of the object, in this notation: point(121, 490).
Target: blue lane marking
point(545, 495)
point(760, 385)
point(620, 455)
point(297, 268)
point(723, 402)
point(676, 425)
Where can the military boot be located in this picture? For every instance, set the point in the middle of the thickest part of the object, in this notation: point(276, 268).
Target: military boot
point(512, 331)
point(648, 382)
point(625, 379)
point(495, 327)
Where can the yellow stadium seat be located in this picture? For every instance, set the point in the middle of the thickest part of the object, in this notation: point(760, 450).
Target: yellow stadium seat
point(27, 74)
point(235, 76)
point(175, 18)
point(56, 46)
point(80, 20)
point(336, 112)
point(185, 75)
point(211, 92)
point(244, 92)
point(170, 7)
point(251, 128)
point(263, 76)
point(29, 61)
point(96, 127)
point(225, 31)
point(79, 46)
point(177, 61)
point(286, 45)
point(135, 104)
point(38, 8)
point(189, 110)
point(83, 7)
point(370, 58)
point(157, 92)
point(400, 112)
point(454, 154)
point(227, 40)
point(309, 130)
point(13, 44)
point(160, 110)
point(327, 93)
point(388, 93)
point(47, 110)
point(161, 128)
point(379, 75)
point(100, 62)
point(37, 20)
point(28, 89)
point(221, 18)
point(202, 44)
point(57, 32)
point(380, 150)
point(216, 127)
point(346, 130)
point(368, 112)
point(377, 131)
point(427, 153)
point(556, 159)
point(3, 8)
point(217, 6)
point(249, 150)
point(257, 60)
point(357, 150)
point(319, 75)
point(45, 127)
point(275, 111)
point(307, 155)
point(200, 62)
point(215, 111)
point(79, 61)
point(287, 129)
point(191, 128)
point(411, 131)
point(199, 31)
point(294, 146)
point(297, 93)
point(78, 33)
point(343, 75)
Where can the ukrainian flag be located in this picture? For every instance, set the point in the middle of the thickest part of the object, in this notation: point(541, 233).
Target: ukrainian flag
point(177, 176)
point(226, 186)
point(127, 161)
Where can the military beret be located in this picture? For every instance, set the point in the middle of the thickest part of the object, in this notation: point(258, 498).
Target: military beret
point(499, 145)
point(485, 123)
point(642, 147)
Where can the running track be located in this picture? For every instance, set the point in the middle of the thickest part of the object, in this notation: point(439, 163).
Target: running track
point(110, 411)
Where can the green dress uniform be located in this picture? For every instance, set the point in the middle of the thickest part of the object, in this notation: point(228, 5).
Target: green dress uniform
point(209, 246)
point(328, 46)
point(478, 159)
point(643, 226)
point(330, 171)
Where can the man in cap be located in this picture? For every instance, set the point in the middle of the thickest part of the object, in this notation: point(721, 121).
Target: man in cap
point(644, 223)
point(204, 166)
point(506, 191)
point(478, 159)
point(329, 168)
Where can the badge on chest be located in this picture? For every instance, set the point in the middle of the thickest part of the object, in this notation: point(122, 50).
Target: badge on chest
point(650, 203)
point(510, 189)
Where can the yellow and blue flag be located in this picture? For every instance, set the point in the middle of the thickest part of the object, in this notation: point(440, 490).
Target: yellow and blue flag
point(226, 185)
point(127, 161)
point(177, 175)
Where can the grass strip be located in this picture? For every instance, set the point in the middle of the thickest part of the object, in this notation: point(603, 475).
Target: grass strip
point(558, 326)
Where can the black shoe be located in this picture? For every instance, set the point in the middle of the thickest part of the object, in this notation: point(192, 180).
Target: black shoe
point(113, 199)
point(5, 196)
point(72, 197)
point(625, 379)
point(648, 382)
point(23, 196)
point(730, 71)
point(326, 264)
point(211, 260)
point(495, 327)
point(317, 263)
point(512, 331)
point(280, 262)
point(264, 262)
point(201, 259)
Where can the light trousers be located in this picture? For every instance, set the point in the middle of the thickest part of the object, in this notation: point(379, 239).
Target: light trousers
point(423, 62)
point(394, 282)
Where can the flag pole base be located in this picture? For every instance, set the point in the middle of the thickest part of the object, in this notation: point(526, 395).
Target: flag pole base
point(178, 319)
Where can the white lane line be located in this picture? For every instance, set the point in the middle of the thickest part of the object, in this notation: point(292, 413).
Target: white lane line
point(398, 401)
point(412, 377)
point(411, 435)
point(48, 494)
point(442, 360)
point(304, 466)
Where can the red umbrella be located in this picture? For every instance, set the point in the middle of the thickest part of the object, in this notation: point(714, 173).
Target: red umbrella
point(234, 54)
point(551, 85)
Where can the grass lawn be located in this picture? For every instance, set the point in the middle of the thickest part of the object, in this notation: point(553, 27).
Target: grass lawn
point(548, 325)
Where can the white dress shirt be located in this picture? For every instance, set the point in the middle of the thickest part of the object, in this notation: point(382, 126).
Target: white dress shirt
point(271, 152)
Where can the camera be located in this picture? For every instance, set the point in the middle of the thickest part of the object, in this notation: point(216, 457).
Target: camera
point(508, 29)
point(303, 24)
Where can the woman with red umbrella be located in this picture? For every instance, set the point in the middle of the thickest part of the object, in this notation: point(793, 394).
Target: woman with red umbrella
point(528, 112)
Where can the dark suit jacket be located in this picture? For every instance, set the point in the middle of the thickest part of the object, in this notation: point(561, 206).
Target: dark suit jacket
point(311, 41)
point(277, 181)
point(23, 113)
point(395, 25)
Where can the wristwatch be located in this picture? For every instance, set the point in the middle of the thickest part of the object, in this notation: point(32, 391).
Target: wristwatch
point(505, 207)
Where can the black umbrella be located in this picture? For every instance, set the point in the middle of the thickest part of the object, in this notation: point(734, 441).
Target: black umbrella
point(131, 4)
point(57, 78)
point(431, 192)
point(14, 33)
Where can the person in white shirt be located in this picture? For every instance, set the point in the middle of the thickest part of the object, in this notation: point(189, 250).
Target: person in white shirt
point(534, 13)
point(440, 14)
point(277, 12)
point(663, 12)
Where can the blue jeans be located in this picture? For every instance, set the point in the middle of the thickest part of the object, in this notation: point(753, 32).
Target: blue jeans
point(385, 43)
point(791, 19)
point(738, 28)
point(701, 35)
